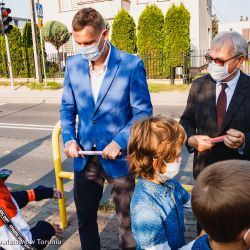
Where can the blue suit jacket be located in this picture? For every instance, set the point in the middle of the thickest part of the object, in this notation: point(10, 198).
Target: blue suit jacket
point(123, 98)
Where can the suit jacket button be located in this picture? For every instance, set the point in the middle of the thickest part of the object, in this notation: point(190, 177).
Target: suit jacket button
point(94, 122)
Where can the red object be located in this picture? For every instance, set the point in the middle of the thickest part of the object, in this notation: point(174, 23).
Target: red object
point(6, 12)
point(221, 104)
point(31, 195)
point(216, 139)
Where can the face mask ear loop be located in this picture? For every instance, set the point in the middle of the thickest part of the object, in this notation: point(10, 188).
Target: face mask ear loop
point(245, 236)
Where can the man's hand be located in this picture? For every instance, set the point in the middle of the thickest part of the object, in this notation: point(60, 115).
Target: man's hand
point(234, 139)
point(199, 143)
point(71, 149)
point(111, 151)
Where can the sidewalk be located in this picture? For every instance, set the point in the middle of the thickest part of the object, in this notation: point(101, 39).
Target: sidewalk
point(25, 95)
point(48, 209)
point(107, 222)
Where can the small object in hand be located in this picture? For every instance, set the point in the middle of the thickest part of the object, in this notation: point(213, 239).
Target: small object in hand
point(57, 194)
point(216, 139)
point(4, 174)
point(90, 152)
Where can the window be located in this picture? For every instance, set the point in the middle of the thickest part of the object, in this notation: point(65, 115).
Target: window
point(66, 5)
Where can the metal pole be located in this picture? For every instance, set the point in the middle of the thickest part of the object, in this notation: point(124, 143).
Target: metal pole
point(32, 18)
point(44, 68)
point(9, 62)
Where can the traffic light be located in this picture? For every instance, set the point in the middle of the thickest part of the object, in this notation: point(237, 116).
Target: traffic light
point(6, 19)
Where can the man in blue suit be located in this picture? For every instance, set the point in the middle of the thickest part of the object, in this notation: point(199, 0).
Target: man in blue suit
point(108, 91)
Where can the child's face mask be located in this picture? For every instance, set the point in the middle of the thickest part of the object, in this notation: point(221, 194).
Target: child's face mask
point(172, 171)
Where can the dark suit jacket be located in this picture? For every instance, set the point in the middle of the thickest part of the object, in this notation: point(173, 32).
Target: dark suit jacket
point(199, 118)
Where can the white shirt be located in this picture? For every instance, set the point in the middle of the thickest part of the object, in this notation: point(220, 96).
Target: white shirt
point(96, 78)
point(229, 90)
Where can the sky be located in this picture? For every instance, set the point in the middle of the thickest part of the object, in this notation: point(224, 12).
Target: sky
point(225, 10)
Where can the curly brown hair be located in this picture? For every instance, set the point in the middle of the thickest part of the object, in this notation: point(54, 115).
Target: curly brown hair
point(154, 138)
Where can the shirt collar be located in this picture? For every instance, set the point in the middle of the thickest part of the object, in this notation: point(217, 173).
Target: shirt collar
point(232, 83)
point(158, 188)
point(105, 65)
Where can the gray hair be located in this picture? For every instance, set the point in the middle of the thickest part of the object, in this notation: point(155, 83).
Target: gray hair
point(232, 39)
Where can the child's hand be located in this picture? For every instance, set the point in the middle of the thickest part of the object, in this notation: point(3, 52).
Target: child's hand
point(57, 229)
point(57, 194)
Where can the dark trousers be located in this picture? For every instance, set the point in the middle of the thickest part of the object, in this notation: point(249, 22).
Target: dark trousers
point(88, 188)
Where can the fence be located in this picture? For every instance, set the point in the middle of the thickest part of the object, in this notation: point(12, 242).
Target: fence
point(185, 66)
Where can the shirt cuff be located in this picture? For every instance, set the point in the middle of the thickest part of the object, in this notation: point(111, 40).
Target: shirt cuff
point(68, 142)
point(241, 150)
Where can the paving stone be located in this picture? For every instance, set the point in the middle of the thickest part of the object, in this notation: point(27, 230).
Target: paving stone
point(107, 222)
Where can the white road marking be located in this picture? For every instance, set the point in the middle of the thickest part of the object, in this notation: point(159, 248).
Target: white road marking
point(27, 126)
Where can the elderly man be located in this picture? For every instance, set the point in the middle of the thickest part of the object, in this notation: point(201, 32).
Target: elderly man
point(219, 104)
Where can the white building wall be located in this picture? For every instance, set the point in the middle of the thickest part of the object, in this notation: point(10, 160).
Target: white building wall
point(199, 23)
point(235, 26)
point(52, 11)
point(242, 27)
point(199, 10)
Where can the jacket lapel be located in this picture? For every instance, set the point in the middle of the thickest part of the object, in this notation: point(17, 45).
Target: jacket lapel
point(237, 98)
point(85, 87)
point(113, 65)
point(211, 101)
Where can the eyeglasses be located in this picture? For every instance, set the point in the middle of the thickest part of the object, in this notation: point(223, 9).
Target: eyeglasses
point(218, 61)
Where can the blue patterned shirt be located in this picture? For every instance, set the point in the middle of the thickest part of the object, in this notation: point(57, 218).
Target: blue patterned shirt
point(157, 213)
point(202, 243)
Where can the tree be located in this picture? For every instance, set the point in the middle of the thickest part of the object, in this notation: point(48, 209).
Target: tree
point(3, 59)
point(150, 40)
point(28, 56)
point(150, 24)
point(15, 45)
point(177, 38)
point(215, 22)
point(27, 50)
point(124, 32)
point(57, 34)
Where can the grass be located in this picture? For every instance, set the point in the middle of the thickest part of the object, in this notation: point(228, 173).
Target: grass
point(41, 86)
point(155, 87)
point(107, 207)
point(35, 86)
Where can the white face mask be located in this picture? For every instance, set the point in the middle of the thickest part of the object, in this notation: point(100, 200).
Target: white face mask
point(92, 52)
point(219, 73)
point(172, 171)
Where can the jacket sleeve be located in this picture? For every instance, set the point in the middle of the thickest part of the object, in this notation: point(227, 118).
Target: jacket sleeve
point(188, 117)
point(68, 110)
point(139, 101)
point(25, 196)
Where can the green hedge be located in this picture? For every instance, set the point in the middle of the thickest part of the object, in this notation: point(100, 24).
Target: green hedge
point(124, 32)
point(176, 37)
point(150, 40)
